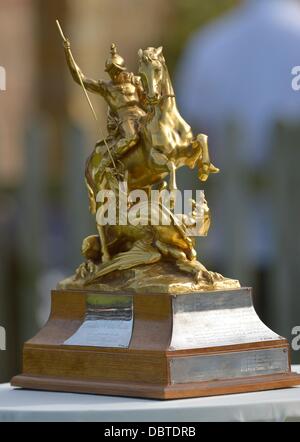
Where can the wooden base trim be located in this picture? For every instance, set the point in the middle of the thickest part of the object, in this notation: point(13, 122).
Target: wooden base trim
point(179, 391)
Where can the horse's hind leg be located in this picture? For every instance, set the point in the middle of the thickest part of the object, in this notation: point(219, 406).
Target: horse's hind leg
point(104, 249)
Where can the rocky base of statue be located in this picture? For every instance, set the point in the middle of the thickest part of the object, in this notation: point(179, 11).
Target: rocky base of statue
point(147, 267)
point(155, 345)
point(159, 277)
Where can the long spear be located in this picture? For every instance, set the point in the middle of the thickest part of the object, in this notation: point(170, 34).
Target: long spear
point(86, 94)
point(105, 253)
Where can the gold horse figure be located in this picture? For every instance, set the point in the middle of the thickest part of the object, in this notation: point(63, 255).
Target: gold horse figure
point(166, 140)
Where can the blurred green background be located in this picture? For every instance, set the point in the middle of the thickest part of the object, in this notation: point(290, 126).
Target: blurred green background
point(47, 132)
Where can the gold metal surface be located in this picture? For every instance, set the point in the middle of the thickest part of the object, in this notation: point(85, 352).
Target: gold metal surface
point(68, 47)
point(147, 141)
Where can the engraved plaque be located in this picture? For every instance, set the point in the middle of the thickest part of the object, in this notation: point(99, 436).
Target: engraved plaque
point(108, 323)
point(228, 365)
point(217, 319)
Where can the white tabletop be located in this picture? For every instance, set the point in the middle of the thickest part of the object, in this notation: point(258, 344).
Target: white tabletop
point(21, 405)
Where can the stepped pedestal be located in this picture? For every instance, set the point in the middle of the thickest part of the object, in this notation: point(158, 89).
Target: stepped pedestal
point(161, 346)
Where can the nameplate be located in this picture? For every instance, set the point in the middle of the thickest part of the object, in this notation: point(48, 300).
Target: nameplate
point(217, 319)
point(108, 323)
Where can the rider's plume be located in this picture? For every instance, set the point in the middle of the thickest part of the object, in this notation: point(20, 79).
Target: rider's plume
point(159, 50)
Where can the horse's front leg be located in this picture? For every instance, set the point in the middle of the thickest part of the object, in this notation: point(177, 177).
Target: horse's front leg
point(204, 164)
point(172, 169)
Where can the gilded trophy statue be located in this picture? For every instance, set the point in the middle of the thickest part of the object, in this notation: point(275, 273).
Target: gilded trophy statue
point(147, 141)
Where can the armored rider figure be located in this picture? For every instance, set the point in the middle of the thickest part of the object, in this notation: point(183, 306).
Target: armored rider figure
point(123, 94)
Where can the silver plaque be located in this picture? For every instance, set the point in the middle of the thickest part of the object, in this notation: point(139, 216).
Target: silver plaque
point(108, 322)
point(228, 365)
point(217, 319)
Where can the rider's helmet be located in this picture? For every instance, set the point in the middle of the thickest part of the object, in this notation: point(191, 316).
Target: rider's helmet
point(115, 61)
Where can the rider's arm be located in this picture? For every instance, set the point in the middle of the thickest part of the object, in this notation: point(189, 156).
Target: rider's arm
point(90, 84)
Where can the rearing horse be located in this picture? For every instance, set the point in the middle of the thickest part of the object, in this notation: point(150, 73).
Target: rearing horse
point(165, 130)
point(166, 140)
point(173, 144)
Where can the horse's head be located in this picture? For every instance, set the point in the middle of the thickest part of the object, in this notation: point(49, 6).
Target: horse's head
point(151, 70)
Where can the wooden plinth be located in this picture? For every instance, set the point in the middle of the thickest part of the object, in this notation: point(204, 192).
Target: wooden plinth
point(152, 365)
point(181, 391)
